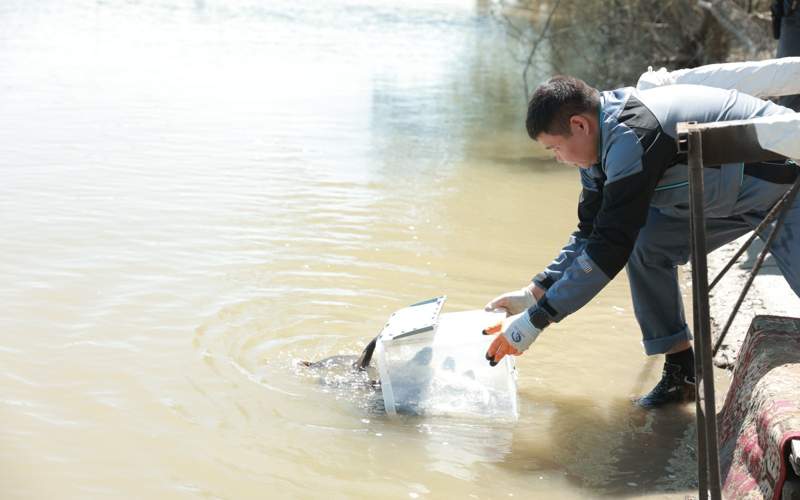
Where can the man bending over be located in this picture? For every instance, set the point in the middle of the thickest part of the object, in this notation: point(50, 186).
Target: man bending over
point(634, 211)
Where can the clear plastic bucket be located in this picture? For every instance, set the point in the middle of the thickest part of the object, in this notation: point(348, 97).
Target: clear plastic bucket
point(441, 369)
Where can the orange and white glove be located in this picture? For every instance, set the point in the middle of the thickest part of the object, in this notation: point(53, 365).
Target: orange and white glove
point(517, 333)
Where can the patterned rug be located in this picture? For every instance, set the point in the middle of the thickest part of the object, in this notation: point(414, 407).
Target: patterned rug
point(761, 413)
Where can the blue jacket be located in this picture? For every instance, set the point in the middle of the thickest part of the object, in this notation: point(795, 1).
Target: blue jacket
point(640, 167)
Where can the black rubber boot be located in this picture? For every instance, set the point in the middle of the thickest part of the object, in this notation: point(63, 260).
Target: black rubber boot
point(675, 386)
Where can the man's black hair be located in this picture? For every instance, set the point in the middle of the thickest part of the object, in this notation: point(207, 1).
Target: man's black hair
point(555, 101)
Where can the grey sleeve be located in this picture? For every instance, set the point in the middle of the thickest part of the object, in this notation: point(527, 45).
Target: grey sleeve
point(588, 206)
point(634, 165)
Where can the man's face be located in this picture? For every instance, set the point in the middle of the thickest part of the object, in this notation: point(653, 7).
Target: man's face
point(579, 148)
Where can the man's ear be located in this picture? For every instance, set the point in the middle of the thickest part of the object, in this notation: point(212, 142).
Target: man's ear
point(579, 124)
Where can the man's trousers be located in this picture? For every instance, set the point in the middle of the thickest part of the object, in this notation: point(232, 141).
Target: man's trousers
point(663, 244)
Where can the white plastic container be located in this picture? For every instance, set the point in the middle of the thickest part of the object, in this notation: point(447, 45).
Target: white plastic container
point(432, 364)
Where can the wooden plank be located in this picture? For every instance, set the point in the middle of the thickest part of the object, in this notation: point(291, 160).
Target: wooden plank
point(726, 142)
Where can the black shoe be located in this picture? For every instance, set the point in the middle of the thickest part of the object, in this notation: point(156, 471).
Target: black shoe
point(675, 386)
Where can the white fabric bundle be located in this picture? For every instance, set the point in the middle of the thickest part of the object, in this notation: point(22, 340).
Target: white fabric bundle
point(769, 78)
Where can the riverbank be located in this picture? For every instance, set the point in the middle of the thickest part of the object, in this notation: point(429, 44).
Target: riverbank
point(769, 294)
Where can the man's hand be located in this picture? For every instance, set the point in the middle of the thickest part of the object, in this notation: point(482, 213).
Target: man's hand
point(517, 333)
point(517, 301)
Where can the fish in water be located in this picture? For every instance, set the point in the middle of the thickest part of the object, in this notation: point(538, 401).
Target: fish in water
point(357, 372)
point(347, 369)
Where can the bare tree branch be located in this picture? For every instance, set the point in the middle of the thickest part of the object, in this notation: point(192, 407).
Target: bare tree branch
point(737, 23)
point(610, 42)
point(535, 46)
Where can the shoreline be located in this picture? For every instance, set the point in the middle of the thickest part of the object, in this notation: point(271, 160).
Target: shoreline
point(769, 294)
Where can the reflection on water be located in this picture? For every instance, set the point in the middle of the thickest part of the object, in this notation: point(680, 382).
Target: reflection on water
point(607, 448)
point(196, 196)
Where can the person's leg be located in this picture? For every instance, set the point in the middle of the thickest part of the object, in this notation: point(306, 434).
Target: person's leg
point(786, 246)
point(788, 46)
point(661, 246)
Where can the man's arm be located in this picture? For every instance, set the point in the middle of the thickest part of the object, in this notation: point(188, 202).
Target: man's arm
point(589, 204)
point(636, 160)
point(588, 208)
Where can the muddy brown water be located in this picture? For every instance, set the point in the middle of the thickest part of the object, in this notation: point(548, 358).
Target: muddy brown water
point(196, 195)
